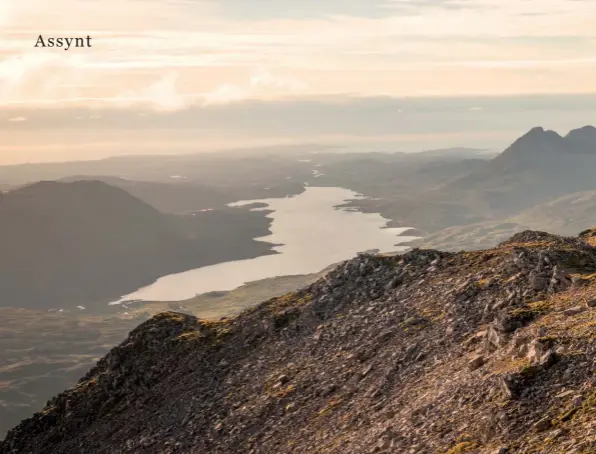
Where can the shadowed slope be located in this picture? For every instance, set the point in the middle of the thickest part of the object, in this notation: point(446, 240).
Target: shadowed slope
point(76, 243)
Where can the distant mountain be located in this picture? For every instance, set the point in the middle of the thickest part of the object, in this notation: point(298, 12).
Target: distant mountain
point(229, 170)
point(583, 138)
point(396, 175)
point(166, 197)
point(65, 244)
point(457, 152)
point(537, 168)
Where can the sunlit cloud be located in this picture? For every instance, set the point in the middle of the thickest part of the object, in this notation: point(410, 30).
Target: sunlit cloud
point(175, 53)
point(262, 84)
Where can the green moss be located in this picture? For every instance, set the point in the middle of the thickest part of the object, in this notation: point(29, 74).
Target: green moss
point(330, 406)
point(524, 315)
point(541, 307)
point(548, 340)
point(190, 336)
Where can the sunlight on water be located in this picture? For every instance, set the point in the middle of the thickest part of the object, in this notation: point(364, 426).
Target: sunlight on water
point(313, 234)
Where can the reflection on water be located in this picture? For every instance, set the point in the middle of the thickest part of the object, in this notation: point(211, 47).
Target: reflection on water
point(313, 233)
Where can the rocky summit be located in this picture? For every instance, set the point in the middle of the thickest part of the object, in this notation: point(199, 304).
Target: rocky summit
point(424, 352)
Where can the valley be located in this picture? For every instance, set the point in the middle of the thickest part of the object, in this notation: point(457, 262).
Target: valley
point(187, 206)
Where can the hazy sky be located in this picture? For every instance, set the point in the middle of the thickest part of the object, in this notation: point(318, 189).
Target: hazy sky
point(155, 57)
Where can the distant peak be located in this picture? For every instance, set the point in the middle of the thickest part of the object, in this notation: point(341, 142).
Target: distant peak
point(540, 132)
point(536, 141)
point(586, 129)
point(537, 136)
point(585, 133)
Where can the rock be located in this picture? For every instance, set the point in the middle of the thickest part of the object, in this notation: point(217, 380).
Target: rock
point(538, 282)
point(576, 281)
point(535, 351)
point(556, 434)
point(574, 311)
point(543, 424)
point(290, 407)
point(500, 305)
point(591, 303)
point(351, 367)
point(283, 379)
point(366, 371)
point(413, 321)
point(578, 401)
point(411, 350)
point(493, 340)
point(506, 388)
point(548, 359)
point(476, 362)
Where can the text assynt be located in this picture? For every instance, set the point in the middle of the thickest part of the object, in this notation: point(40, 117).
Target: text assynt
point(65, 43)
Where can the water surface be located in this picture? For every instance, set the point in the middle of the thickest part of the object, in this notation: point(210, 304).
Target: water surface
point(313, 233)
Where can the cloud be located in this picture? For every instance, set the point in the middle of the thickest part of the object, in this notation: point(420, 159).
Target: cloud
point(420, 6)
point(175, 52)
point(161, 95)
point(39, 75)
point(261, 84)
point(374, 122)
point(306, 9)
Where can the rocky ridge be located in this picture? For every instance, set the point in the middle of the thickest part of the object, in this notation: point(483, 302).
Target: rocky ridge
point(480, 352)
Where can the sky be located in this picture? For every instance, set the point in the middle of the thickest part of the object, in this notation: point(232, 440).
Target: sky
point(192, 75)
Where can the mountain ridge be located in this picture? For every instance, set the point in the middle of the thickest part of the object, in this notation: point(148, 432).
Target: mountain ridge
point(382, 355)
point(538, 167)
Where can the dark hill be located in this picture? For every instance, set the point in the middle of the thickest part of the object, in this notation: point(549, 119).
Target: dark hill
point(583, 138)
point(538, 167)
point(167, 197)
point(65, 244)
point(427, 352)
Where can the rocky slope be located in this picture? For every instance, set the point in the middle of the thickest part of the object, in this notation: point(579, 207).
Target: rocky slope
point(426, 352)
point(42, 353)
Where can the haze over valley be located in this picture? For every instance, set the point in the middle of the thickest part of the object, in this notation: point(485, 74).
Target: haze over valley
point(104, 231)
point(294, 227)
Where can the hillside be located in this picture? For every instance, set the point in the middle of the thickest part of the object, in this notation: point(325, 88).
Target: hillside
point(537, 168)
point(183, 197)
point(426, 352)
point(43, 353)
point(70, 244)
point(562, 216)
point(393, 175)
point(166, 197)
